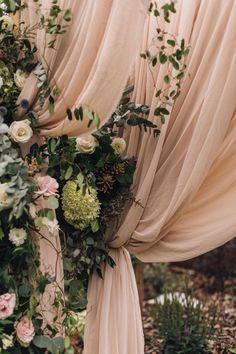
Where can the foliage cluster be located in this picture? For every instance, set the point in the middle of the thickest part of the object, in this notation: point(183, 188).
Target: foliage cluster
point(183, 326)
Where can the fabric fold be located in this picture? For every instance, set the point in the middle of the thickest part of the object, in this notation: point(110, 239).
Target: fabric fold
point(113, 323)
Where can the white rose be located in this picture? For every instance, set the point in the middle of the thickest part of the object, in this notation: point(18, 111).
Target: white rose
point(1, 81)
point(6, 200)
point(17, 236)
point(52, 225)
point(32, 210)
point(119, 145)
point(20, 77)
point(7, 22)
point(21, 131)
point(86, 144)
point(7, 341)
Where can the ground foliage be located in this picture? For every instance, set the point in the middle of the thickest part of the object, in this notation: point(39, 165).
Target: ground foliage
point(223, 341)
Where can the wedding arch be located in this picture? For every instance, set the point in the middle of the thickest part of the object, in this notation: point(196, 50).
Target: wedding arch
point(185, 179)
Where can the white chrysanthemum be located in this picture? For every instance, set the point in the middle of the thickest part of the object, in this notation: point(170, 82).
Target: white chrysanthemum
point(17, 236)
point(52, 225)
point(21, 131)
point(6, 200)
point(1, 81)
point(119, 145)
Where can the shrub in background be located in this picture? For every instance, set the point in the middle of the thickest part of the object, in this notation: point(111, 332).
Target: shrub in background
point(183, 326)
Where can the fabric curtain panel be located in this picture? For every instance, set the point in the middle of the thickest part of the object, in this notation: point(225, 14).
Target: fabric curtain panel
point(185, 179)
point(92, 61)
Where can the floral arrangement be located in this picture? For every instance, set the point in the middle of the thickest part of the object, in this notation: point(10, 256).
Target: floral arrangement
point(22, 194)
point(95, 181)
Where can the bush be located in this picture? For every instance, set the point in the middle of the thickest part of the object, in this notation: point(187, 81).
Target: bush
point(183, 325)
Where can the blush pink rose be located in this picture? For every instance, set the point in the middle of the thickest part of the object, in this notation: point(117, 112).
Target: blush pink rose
point(7, 305)
point(47, 186)
point(25, 331)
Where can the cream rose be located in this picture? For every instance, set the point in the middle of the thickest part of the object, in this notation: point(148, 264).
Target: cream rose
point(7, 22)
point(119, 145)
point(20, 77)
point(21, 131)
point(17, 236)
point(47, 186)
point(25, 331)
point(6, 200)
point(86, 144)
point(7, 305)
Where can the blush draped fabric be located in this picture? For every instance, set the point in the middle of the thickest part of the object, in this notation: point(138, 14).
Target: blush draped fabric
point(186, 178)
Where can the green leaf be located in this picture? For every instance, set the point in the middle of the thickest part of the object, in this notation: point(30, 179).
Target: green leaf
point(11, 4)
point(80, 179)
point(25, 290)
point(176, 95)
point(163, 58)
point(41, 342)
point(69, 172)
point(163, 119)
point(51, 105)
point(167, 79)
point(67, 15)
point(154, 61)
point(128, 89)
point(180, 75)
point(53, 202)
point(1, 233)
point(158, 93)
point(69, 114)
point(78, 112)
point(171, 42)
point(56, 91)
point(95, 225)
point(157, 111)
point(90, 241)
point(164, 111)
point(232, 350)
point(156, 13)
point(174, 62)
point(67, 342)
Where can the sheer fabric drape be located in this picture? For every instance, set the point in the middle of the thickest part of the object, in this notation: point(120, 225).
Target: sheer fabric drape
point(186, 179)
